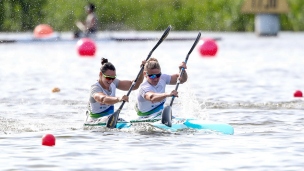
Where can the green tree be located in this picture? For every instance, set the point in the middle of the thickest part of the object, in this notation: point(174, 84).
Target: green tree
point(21, 15)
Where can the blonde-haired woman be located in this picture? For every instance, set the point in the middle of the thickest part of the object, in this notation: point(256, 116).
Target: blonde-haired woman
point(152, 92)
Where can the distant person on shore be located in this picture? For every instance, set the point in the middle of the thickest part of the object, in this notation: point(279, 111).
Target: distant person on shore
point(103, 93)
point(88, 28)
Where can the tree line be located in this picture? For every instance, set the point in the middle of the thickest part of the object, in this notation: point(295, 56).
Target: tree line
point(183, 15)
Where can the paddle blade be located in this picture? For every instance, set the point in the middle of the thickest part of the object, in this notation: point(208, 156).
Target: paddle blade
point(166, 33)
point(112, 121)
point(167, 116)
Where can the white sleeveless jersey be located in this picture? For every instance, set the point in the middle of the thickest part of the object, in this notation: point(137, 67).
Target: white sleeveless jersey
point(89, 20)
point(95, 106)
point(144, 105)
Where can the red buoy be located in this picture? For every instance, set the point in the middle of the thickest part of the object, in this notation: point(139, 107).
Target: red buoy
point(208, 48)
point(48, 140)
point(86, 47)
point(298, 93)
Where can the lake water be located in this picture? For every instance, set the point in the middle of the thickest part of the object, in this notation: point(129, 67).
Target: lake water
point(249, 84)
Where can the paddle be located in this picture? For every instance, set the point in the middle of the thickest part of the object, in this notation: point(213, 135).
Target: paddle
point(113, 118)
point(167, 112)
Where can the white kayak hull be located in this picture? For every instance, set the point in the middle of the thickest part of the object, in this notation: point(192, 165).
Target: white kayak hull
point(177, 124)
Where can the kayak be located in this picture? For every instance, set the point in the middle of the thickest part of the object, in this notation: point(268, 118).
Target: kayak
point(196, 124)
point(178, 124)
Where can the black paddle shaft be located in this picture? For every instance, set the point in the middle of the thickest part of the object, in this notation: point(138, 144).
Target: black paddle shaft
point(142, 67)
point(114, 117)
point(186, 60)
point(167, 112)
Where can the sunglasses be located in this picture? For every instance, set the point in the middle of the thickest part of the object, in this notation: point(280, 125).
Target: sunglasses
point(109, 77)
point(152, 76)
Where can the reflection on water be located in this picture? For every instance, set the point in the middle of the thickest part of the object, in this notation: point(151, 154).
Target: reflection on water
point(249, 84)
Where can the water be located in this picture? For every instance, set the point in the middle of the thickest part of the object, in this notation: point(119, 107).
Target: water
point(249, 84)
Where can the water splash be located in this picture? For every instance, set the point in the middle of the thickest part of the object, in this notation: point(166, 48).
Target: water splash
point(189, 106)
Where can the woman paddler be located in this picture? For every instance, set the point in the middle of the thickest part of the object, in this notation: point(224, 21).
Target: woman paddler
point(151, 94)
point(103, 93)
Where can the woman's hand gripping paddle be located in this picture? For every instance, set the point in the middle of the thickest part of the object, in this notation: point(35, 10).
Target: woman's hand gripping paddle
point(167, 112)
point(114, 117)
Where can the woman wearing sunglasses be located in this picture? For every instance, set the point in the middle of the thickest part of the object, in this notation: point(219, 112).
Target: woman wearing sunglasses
point(102, 93)
point(151, 94)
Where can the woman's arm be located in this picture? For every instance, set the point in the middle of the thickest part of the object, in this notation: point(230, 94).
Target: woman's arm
point(108, 100)
point(184, 77)
point(157, 97)
point(126, 84)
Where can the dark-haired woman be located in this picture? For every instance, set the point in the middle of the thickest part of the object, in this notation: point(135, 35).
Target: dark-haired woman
point(103, 92)
point(152, 92)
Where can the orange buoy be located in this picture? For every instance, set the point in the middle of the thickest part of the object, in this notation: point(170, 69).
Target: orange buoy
point(48, 140)
point(86, 47)
point(298, 93)
point(55, 90)
point(208, 48)
point(42, 31)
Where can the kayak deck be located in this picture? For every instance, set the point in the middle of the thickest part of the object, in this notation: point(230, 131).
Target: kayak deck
point(198, 124)
point(177, 124)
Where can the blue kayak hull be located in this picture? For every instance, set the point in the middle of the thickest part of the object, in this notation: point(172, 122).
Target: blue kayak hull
point(178, 124)
point(199, 125)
